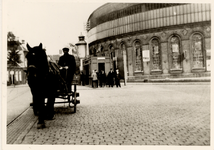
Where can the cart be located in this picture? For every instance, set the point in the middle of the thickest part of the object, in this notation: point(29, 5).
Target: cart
point(71, 97)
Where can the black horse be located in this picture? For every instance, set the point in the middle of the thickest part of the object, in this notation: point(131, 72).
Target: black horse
point(41, 83)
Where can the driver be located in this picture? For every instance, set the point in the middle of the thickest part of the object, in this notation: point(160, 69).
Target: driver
point(67, 68)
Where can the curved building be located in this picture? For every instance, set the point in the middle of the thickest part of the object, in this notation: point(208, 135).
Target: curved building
point(150, 40)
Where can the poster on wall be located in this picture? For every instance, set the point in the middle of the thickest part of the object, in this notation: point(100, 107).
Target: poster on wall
point(208, 58)
point(146, 56)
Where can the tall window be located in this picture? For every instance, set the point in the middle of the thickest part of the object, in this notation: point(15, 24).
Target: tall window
point(138, 54)
point(95, 52)
point(156, 62)
point(124, 53)
point(20, 76)
point(175, 53)
point(102, 51)
point(198, 57)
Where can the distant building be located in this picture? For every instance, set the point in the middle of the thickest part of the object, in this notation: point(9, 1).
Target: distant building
point(16, 75)
point(150, 40)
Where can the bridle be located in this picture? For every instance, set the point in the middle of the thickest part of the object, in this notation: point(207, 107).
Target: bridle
point(29, 68)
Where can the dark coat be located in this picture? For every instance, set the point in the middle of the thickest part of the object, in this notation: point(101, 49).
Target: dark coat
point(111, 76)
point(117, 76)
point(67, 60)
point(103, 77)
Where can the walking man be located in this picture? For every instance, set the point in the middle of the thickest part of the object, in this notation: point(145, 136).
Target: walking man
point(111, 78)
point(117, 78)
point(102, 78)
point(94, 79)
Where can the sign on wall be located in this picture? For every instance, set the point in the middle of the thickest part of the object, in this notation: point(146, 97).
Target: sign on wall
point(146, 56)
point(208, 59)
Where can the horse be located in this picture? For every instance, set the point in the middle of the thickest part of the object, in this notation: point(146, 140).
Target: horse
point(41, 83)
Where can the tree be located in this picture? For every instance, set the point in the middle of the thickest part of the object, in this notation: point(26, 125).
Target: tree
point(13, 48)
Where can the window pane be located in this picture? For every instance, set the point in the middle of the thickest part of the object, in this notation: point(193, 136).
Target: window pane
point(156, 63)
point(198, 58)
point(175, 50)
point(138, 54)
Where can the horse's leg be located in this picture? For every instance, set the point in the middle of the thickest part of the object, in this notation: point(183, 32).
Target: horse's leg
point(50, 107)
point(35, 106)
point(41, 108)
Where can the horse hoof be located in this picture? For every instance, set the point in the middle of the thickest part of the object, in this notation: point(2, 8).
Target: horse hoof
point(40, 126)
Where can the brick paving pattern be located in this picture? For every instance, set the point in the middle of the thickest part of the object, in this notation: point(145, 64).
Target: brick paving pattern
point(145, 114)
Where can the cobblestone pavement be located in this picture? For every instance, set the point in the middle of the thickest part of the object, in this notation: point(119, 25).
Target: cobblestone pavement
point(144, 114)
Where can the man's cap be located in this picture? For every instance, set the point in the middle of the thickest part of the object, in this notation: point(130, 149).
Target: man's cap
point(65, 49)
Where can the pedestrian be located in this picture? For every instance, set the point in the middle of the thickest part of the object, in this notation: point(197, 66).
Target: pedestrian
point(111, 77)
point(117, 78)
point(82, 78)
point(67, 65)
point(94, 79)
point(102, 79)
point(98, 76)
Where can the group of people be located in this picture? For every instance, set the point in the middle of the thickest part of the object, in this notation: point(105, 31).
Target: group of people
point(113, 78)
point(67, 69)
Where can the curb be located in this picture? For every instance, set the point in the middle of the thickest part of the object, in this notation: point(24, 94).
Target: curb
point(170, 80)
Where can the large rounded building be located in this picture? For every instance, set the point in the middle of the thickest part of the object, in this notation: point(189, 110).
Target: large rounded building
point(150, 40)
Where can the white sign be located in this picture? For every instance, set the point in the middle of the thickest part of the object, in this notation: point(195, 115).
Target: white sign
point(100, 57)
point(146, 56)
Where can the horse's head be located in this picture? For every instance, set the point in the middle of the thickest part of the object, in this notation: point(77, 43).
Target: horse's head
point(37, 64)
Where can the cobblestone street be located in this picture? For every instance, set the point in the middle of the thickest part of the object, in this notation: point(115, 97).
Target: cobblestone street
point(146, 114)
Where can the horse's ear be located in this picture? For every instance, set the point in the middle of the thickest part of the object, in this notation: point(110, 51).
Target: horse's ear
point(40, 45)
point(28, 47)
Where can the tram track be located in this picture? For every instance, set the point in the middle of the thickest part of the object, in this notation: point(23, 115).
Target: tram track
point(18, 116)
point(20, 126)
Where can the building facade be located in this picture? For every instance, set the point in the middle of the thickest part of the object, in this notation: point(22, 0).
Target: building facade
point(16, 74)
point(147, 41)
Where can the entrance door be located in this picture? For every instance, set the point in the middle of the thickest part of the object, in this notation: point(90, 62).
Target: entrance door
point(86, 68)
point(101, 66)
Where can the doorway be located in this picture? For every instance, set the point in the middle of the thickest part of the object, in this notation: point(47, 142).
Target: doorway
point(86, 68)
point(101, 66)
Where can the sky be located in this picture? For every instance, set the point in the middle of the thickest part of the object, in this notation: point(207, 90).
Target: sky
point(54, 23)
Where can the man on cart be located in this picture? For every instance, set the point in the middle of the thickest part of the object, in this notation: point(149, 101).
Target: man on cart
point(67, 68)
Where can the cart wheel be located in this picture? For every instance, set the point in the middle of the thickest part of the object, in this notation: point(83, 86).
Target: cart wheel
point(75, 101)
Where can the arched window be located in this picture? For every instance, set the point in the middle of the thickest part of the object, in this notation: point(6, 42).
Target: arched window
point(95, 52)
point(112, 57)
point(123, 47)
point(197, 49)
point(102, 50)
point(156, 56)
point(112, 53)
point(138, 56)
point(175, 52)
